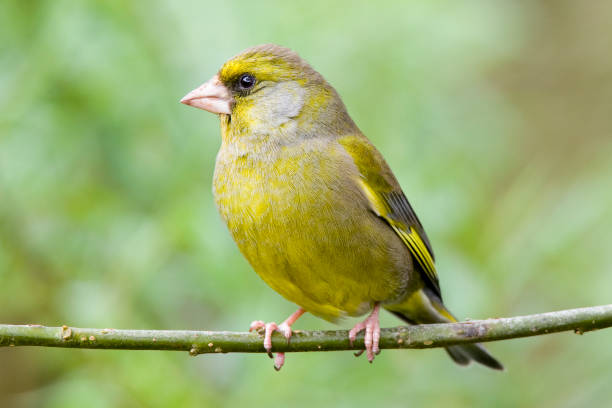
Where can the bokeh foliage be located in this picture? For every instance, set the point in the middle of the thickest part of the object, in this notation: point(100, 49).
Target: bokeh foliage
point(495, 116)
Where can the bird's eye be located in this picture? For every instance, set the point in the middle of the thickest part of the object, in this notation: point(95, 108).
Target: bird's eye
point(246, 81)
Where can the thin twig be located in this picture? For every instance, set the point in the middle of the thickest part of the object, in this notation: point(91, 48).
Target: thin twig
point(418, 337)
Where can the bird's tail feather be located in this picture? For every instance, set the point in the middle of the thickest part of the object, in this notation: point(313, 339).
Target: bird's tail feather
point(463, 354)
point(425, 307)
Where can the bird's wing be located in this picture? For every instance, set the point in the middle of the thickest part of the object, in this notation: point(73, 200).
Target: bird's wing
point(389, 203)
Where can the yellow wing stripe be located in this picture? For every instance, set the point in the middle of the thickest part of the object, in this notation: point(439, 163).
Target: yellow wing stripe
point(379, 205)
point(416, 238)
point(416, 245)
point(429, 263)
point(412, 239)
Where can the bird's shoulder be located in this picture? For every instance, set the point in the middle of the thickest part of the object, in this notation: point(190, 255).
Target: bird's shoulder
point(370, 163)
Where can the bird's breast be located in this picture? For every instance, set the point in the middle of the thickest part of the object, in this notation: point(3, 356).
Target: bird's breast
point(301, 222)
point(264, 194)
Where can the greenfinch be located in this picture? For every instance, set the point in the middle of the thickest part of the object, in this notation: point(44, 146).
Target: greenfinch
point(312, 204)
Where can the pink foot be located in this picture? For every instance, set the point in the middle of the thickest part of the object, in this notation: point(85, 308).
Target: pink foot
point(269, 328)
point(372, 333)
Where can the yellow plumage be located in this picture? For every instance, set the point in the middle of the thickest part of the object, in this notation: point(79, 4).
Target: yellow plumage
point(294, 220)
point(312, 204)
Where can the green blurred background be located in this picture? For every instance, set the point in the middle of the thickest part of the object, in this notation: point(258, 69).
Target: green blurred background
point(495, 116)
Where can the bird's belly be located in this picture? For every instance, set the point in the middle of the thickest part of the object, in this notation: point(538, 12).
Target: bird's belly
point(313, 241)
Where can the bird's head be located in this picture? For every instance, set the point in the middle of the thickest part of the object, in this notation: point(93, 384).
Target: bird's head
point(269, 87)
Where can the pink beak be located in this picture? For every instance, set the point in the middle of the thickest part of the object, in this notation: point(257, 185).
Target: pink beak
point(212, 96)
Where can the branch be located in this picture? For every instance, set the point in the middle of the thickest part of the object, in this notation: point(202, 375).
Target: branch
point(417, 337)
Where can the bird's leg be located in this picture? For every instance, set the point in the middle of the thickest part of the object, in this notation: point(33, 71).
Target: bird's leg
point(284, 328)
point(372, 333)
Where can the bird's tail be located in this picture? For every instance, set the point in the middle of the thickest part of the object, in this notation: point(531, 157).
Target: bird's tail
point(425, 307)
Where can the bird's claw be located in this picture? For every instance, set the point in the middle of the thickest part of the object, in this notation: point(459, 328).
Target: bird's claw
point(257, 325)
point(270, 328)
point(279, 361)
point(371, 339)
point(285, 329)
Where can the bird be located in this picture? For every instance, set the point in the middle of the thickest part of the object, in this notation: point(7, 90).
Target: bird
point(313, 205)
